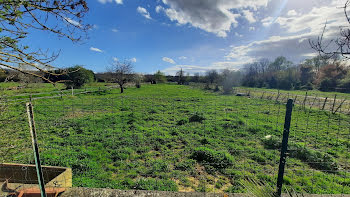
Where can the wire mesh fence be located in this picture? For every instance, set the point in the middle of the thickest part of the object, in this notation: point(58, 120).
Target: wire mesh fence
point(323, 101)
point(175, 144)
point(25, 97)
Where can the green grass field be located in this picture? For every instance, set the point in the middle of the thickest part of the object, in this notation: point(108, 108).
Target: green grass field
point(180, 138)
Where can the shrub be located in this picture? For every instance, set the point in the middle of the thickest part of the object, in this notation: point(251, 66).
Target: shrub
point(227, 87)
point(182, 122)
point(3, 75)
point(121, 154)
point(157, 166)
point(201, 187)
point(330, 75)
point(327, 84)
point(216, 88)
point(159, 77)
point(219, 184)
point(206, 87)
point(196, 118)
point(344, 84)
point(307, 86)
point(314, 158)
point(253, 130)
point(185, 181)
point(186, 165)
point(217, 159)
point(155, 184)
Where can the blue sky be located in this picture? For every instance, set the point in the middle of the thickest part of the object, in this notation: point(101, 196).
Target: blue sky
point(195, 35)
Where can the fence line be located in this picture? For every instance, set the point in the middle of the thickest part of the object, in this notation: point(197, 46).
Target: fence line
point(324, 103)
point(186, 144)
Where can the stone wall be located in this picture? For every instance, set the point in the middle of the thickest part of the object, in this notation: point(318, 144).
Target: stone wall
point(93, 192)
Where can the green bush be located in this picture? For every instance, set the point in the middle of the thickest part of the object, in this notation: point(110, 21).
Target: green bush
point(185, 165)
point(314, 158)
point(327, 85)
point(121, 154)
point(185, 181)
point(157, 166)
point(159, 77)
point(219, 183)
point(217, 159)
point(182, 122)
point(155, 184)
point(307, 86)
point(197, 117)
point(344, 84)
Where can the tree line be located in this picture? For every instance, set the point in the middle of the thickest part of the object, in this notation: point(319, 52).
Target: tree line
point(314, 73)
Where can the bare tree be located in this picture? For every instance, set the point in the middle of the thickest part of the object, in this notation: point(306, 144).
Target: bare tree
point(181, 77)
point(18, 18)
point(212, 76)
point(339, 46)
point(138, 78)
point(121, 72)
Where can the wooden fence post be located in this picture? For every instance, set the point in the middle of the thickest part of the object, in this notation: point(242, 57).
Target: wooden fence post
point(304, 100)
point(335, 98)
point(313, 101)
point(278, 95)
point(324, 104)
point(339, 106)
point(262, 96)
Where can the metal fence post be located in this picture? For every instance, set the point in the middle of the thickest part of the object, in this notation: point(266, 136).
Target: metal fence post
point(35, 149)
point(287, 120)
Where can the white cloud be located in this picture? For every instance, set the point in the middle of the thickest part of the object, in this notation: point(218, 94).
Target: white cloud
point(169, 60)
point(115, 59)
point(289, 36)
point(314, 20)
point(159, 8)
point(110, 1)
point(182, 57)
point(94, 26)
point(296, 29)
point(292, 13)
point(249, 16)
point(133, 59)
point(96, 49)
point(267, 21)
point(144, 12)
point(73, 22)
point(238, 35)
point(115, 30)
point(104, 1)
point(215, 16)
